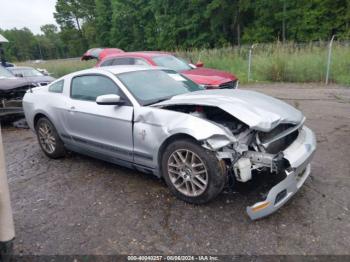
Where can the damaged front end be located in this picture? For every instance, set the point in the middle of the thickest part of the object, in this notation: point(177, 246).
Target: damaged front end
point(284, 151)
point(291, 164)
point(11, 96)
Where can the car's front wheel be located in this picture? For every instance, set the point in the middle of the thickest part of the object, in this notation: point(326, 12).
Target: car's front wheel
point(49, 139)
point(192, 173)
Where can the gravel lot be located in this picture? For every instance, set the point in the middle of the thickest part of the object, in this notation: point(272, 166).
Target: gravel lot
point(79, 205)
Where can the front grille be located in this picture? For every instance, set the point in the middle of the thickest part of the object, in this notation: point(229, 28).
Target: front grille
point(282, 143)
point(228, 85)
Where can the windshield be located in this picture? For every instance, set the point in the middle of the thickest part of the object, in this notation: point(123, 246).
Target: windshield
point(26, 72)
point(5, 73)
point(171, 62)
point(152, 86)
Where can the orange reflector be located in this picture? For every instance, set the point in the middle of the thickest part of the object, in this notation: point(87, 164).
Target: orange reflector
point(261, 206)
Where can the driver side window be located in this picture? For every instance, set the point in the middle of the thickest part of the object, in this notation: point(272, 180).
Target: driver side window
point(89, 87)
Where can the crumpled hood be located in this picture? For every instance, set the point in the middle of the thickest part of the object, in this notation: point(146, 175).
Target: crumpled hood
point(258, 111)
point(12, 83)
point(39, 79)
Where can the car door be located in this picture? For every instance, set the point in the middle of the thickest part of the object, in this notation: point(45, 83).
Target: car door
point(102, 129)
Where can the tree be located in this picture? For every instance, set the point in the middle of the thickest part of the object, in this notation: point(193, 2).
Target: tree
point(180, 24)
point(71, 15)
point(103, 21)
point(22, 46)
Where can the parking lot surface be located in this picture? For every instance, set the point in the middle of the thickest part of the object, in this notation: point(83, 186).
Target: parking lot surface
point(79, 205)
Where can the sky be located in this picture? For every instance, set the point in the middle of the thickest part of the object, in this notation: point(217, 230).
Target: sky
point(26, 13)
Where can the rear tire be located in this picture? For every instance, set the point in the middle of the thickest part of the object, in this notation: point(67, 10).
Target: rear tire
point(192, 173)
point(48, 138)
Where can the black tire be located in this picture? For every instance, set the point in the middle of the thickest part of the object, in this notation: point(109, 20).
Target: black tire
point(59, 150)
point(215, 175)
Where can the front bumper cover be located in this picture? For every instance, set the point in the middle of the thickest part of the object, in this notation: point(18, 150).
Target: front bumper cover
point(299, 154)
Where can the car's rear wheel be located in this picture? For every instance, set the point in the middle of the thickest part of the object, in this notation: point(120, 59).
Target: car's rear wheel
point(49, 139)
point(192, 173)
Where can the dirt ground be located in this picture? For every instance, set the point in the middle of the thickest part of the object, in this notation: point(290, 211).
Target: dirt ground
point(79, 205)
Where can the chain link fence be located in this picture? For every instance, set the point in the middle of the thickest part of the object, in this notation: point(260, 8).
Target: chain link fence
point(321, 61)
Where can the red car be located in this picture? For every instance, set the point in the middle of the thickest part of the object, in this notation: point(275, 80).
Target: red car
point(99, 53)
point(206, 77)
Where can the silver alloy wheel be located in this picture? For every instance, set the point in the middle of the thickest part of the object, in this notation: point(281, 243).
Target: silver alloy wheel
point(47, 139)
point(187, 172)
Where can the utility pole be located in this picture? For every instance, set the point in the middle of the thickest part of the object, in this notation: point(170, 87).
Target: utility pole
point(329, 59)
point(41, 54)
point(284, 22)
point(250, 54)
point(7, 231)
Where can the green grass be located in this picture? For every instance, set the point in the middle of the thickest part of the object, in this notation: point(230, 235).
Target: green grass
point(60, 67)
point(280, 63)
point(270, 62)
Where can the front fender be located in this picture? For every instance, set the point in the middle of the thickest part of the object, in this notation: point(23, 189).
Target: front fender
point(153, 126)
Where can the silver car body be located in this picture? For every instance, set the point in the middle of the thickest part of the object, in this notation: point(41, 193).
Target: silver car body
point(135, 135)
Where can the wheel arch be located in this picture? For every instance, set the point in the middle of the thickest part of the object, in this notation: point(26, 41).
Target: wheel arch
point(38, 116)
point(167, 142)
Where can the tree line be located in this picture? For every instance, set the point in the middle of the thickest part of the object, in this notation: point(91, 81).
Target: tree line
point(178, 24)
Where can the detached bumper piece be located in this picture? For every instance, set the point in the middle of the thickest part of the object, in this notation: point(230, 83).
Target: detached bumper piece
point(299, 154)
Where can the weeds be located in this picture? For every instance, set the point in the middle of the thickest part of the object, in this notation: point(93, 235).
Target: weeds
point(270, 62)
point(280, 63)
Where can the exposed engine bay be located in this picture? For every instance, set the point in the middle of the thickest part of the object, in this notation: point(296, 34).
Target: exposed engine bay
point(12, 90)
point(254, 150)
point(214, 114)
point(13, 95)
point(11, 102)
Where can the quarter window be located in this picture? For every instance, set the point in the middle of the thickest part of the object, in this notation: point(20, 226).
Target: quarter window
point(89, 87)
point(56, 87)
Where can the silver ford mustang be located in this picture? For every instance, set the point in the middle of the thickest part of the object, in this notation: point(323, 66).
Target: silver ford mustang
point(158, 121)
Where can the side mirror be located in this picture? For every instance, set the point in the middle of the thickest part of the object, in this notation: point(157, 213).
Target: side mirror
point(199, 64)
point(109, 100)
point(19, 75)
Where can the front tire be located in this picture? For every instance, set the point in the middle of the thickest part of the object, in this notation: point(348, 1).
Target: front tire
point(192, 173)
point(48, 138)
